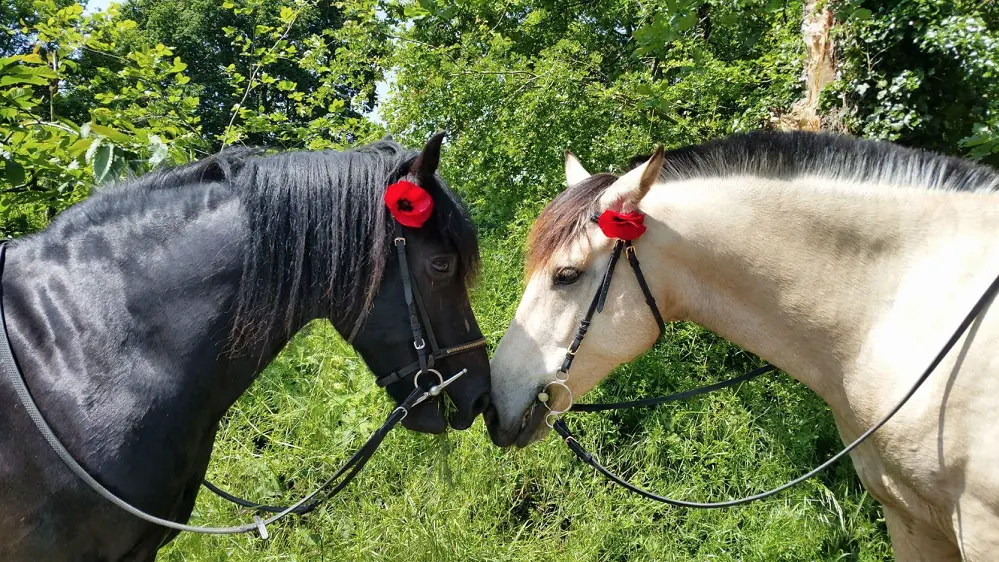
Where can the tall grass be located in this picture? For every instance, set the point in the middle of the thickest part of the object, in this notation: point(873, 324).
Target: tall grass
point(457, 497)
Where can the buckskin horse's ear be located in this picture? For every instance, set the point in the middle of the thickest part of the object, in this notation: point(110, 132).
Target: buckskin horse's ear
point(625, 194)
point(574, 171)
point(425, 165)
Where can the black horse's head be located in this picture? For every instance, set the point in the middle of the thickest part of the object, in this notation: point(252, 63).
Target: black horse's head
point(441, 257)
point(321, 245)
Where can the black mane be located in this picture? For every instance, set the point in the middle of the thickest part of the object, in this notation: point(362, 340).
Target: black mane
point(769, 154)
point(788, 155)
point(320, 233)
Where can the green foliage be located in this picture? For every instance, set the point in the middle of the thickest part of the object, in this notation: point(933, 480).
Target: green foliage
point(95, 98)
point(922, 73)
point(144, 115)
point(85, 100)
point(517, 82)
point(274, 73)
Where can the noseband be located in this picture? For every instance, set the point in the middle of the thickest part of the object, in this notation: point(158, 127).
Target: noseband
point(555, 421)
point(418, 320)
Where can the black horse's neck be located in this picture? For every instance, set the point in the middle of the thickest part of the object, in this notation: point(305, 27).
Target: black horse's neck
point(129, 306)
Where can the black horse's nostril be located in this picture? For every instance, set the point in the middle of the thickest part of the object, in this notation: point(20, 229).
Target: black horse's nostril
point(481, 403)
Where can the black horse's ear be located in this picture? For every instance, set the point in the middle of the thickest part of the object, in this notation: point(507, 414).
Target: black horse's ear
point(426, 163)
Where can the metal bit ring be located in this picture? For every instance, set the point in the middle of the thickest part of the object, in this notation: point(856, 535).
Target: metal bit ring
point(546, 403)
point(440, 377)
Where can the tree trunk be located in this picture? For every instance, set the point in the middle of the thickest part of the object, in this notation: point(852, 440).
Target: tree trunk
point(820, 68)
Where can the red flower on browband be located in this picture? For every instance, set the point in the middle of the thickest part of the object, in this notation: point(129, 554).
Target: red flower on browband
point(622, 226)
point(409, 203)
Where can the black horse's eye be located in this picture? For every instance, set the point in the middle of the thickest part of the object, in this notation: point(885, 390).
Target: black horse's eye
point(441, 265)
point(567, 276)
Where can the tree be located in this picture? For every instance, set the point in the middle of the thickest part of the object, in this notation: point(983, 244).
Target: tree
point(332, 49)
point(518, 82)
point(922, 73)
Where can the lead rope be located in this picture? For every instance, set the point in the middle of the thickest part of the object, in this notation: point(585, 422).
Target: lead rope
point(560, 427)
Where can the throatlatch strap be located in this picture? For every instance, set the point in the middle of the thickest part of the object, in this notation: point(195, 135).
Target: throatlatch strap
point(649, 299)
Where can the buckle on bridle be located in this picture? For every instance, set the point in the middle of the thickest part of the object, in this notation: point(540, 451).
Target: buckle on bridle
point(631, 248)
point(398, 239)
point(420, 345)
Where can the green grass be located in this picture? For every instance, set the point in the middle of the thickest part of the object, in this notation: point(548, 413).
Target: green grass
point(457, 497)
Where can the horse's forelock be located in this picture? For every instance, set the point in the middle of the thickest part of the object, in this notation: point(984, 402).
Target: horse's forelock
point(564, 219)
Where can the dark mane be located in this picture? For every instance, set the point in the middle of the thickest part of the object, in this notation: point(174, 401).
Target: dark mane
point(840, 157)
point(765, 154)
point(320, 233)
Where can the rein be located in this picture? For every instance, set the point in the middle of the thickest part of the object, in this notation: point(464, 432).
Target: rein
point(418, 319)
point(555, 421)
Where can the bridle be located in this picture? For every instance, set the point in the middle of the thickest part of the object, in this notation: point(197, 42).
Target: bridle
point(555, 421)
point(418, 320)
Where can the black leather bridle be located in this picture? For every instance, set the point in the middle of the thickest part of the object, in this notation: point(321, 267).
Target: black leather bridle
point(419, 321)
point(417, 311)
point(554, 418)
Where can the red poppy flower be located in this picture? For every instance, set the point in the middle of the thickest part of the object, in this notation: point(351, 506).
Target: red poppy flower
point(409, 203)
point(622, 226)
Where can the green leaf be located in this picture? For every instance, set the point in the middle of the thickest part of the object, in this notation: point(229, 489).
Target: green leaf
point(158, 149)
point(92, 150)
point(103, 158)
point(13, 172)
point(20, 78)
point(113, 134)
point(861, 14)
point(415, 12)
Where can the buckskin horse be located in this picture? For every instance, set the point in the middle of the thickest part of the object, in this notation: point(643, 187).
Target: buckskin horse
point(846, 263)
point(141, 314)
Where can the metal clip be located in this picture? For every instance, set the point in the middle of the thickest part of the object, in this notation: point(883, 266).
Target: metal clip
point(261, 528)
point(405, 412)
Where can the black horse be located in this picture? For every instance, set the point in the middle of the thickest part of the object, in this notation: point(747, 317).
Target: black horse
point(141, 314)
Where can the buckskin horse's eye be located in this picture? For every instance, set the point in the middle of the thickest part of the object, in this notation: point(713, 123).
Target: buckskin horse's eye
point(441, 265)
point(567, 276)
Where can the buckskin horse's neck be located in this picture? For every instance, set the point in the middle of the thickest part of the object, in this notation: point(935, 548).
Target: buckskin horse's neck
point(796, 272)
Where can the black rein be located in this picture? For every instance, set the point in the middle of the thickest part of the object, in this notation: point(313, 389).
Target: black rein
point(596, 305)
